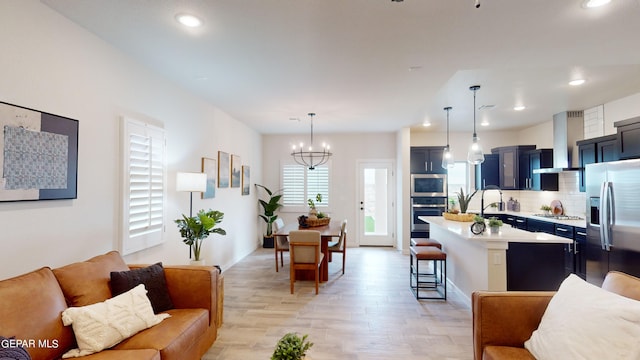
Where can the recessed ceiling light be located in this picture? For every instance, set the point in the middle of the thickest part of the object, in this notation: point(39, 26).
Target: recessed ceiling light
point(595, 3)
point(576, 82)
point(426, 124)
point(484, 123)
point(519, 108)
point(188, 20)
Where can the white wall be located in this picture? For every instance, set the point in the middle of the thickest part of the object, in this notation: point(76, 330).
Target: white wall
point(52, 65)
point(621, 109)
point(347, 150)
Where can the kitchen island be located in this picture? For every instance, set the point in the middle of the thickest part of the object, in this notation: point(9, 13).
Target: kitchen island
point(482, 262)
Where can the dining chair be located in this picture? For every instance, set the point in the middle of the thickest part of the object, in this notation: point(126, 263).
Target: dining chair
point(341, 245)
point(304, 254)
point(280, 243)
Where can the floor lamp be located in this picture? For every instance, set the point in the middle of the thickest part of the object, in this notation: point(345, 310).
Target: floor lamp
point(191, 182)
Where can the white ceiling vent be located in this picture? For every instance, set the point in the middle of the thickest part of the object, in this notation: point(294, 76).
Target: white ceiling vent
point(486, 107)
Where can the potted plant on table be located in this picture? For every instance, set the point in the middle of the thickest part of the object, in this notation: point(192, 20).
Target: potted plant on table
point(291, 347)
point(313, 212)
point(195, 229)
point(464, 200)
point(269, 208)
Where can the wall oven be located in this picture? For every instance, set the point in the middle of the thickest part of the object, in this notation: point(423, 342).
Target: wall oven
point(429, 185)
point(426, 206)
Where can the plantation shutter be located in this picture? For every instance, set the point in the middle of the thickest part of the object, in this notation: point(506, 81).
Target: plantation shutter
point(299, 184)
point(144, 186)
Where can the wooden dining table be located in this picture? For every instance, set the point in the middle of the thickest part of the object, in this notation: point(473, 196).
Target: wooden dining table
point(327, 232)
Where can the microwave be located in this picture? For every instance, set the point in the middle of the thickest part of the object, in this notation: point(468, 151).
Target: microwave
point(429, 185)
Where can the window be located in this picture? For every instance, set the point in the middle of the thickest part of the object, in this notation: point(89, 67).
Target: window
point(458, 178)
point(300, 184)
point(143, 185)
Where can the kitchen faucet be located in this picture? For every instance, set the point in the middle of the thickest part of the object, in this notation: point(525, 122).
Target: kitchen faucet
point(482, 207)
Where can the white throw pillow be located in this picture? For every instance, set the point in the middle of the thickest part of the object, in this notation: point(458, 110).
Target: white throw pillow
point(584, 321)
point(103, 325)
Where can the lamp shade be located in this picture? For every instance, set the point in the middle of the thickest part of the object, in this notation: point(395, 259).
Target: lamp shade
point(447, 159)
point(475, 155)
point(192, 182)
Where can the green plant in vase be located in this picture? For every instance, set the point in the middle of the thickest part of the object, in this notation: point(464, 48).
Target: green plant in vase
point(464, 200)
point(494, 224)
point(291, 347)
point(195, 229)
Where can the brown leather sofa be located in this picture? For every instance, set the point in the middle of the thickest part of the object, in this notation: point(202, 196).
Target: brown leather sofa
point(503, 321)
point(32, 303)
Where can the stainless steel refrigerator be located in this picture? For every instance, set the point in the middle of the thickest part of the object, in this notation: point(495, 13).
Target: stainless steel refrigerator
point(613, 218)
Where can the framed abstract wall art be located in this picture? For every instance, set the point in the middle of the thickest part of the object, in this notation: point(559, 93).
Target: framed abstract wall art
point(236, 171)
point(224, 167)
point(210, 168)
point(39, 159)
point(246, 179)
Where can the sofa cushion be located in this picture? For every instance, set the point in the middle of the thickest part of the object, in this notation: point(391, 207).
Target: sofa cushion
point(154, 281)
point(175, 336)
point(30, 309)
point(101, 325)
point(584, 321)
point(87, 282)
point(506, 353)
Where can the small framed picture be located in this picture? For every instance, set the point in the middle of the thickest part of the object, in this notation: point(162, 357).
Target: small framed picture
point(246, 179)
point(223, 169)
point(210, 168)
point(236, 168)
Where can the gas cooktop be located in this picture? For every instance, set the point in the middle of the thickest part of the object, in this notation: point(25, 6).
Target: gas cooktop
point(559, 217)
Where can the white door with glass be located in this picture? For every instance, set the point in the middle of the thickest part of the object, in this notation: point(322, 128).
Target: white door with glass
point(376, 205)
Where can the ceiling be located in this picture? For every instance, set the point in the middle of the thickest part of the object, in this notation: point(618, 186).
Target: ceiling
point(378, 65)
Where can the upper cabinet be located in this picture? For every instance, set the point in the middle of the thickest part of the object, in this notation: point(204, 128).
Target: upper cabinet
point(596, 150)
point(487, 173)
point(534, 160)
point(427, 160)
point(509, 165)
point(628, 140)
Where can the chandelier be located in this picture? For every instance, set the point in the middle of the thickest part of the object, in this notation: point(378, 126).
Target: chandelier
point(311, 158)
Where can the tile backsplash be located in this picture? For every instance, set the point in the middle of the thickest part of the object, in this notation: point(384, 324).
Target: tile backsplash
point(573, 201)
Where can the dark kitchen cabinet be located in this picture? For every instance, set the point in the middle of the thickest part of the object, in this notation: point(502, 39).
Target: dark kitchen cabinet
point(488, 172)
point(535, 160)
point(427, 160)
point(534, 225)
point(579, 258)
point(596, 150)
point(567, 231)
point(535, 266)
point(521, 223)
point(509, 165)
point(628, 141)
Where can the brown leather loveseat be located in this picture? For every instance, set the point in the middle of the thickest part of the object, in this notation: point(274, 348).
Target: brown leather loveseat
point(503, 321)
point(31, 305)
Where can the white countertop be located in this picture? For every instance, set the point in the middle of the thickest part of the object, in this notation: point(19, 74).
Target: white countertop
point(507, 234)
point(577, 223)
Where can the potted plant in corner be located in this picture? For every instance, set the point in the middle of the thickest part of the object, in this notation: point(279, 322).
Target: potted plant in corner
point(291, 347)
point(195, 229)
point(269, 208)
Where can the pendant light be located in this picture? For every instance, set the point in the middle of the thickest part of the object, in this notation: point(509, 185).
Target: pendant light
point(475, 155)
point(447, 156)
point(311, 158)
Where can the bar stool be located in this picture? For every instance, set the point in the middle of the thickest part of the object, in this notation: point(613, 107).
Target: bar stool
point(430, 282)
point(426, 242)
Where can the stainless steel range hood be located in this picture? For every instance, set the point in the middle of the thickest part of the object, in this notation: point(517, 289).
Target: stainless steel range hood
point(568, 127)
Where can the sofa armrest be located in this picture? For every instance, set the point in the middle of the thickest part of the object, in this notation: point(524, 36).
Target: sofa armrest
point(192, 287)
point(506, 318)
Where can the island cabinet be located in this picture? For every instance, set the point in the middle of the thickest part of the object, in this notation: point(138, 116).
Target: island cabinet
point(596, 150)
point(580, 258)
point(535, 160)
point(628, 139)
point(535, 266)
point(488, 172)
point(509, 165)
point(427, 160)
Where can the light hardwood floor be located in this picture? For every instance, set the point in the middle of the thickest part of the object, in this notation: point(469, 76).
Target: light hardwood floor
point(367, 313)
